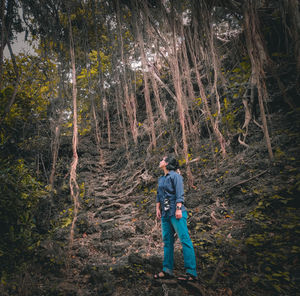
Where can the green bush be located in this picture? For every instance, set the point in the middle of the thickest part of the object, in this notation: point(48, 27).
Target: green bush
point(20, 194)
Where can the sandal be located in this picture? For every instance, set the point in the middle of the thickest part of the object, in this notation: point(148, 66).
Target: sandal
point(188, 278)
point(162, 276)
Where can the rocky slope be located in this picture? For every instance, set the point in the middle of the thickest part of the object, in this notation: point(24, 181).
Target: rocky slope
point(243, 220)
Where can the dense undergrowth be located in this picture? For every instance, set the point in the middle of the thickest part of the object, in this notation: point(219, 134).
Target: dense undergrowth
point(243, 217)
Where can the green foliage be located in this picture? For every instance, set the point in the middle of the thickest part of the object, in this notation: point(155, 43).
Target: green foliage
point(20, 193)
point(25, 119)
point(275, 238)
point(238, 79)
point(64, 220)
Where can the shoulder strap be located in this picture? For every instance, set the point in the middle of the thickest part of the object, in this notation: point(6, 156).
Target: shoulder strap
point(172, 181)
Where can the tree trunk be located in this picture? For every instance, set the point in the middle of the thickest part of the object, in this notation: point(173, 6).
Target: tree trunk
point(16, 82)
point(105, 105)
point(146, 82)
point(188, 80)
point(180, 107)
point(218, 111)
point(295, 20)
point(258, 58)
point(99, 85)
point(116, 96)
point(2, 45)
point(124, 125)
point(74, 188)
point(56, 130)
point(55, 148)
point(207, 110)
point(158, 103)
point(129, 105)
point(185, 93)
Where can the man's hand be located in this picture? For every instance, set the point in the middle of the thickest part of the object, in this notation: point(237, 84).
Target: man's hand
point(178, 214)
point(158, 213)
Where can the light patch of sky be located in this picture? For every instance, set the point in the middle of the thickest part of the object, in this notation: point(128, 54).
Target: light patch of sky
point(19, 46)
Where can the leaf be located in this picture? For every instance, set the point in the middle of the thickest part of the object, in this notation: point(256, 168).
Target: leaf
point(277, 287)
point(236, 70)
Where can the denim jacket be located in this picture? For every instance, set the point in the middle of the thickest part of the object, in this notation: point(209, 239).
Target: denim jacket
point(170, 186)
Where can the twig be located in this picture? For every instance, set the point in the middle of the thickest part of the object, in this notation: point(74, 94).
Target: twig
point(44, 169)
point(217, 221)
point(259, 125)
point(245, 181)
point(194, 160)
point(242, 142)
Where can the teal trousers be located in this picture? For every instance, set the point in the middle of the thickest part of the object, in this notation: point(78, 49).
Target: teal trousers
point(170, 225)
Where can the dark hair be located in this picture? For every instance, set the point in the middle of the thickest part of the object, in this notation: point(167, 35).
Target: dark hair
point(173, 164)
